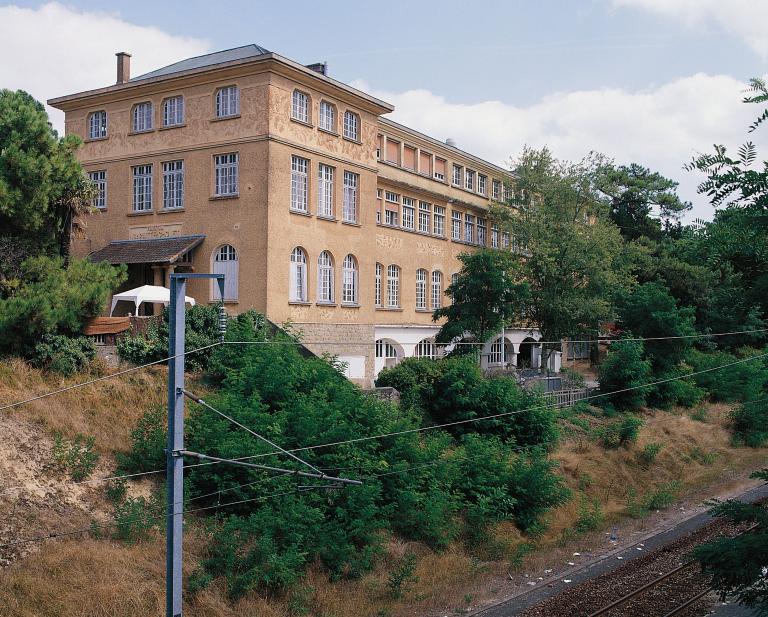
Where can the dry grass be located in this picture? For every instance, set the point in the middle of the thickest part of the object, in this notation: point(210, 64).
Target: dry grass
point(83, 576)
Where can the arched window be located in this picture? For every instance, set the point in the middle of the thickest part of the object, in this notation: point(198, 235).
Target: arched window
point(377, 290)
point(325, 277)
point(225, 262)
point(421, 289)
point(426, 349)
point(454, 278)
point(349, 280)
point(300, 106)
point(297, 283)
point(327, 116)
point(227, 102)
point(437, 289)
point(496, 355)
point(142, 117)
point(385, 349)
point(393, 286)
point(351, 126)
point(97, 125)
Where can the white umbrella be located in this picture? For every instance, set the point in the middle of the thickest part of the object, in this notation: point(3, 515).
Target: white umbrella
point(146, 293)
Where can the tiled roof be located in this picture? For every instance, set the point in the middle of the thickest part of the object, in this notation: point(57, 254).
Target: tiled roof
point(151, 251)
point(217, 57)
point(106, 325)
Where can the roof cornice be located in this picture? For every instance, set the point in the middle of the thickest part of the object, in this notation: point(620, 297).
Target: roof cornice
point(265, 62)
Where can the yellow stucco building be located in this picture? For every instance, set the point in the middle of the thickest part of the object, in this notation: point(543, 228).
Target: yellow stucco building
point(319, 209)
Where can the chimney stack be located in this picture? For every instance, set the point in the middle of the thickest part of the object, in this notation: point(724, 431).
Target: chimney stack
point(123, 66)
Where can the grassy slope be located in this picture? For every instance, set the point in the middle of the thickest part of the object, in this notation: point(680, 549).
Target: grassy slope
point(84, 576)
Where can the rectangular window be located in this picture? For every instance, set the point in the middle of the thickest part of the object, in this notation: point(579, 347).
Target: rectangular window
point(226, 174)
point(349, 208)
point(409, 158)
point(425, 163)
point(409, 213)
point(425, 217)
point(300, 106)
point(494, 236)
point(227, 102)
point(173, 185)
point(504, 239)
point(390, 217)
point(508, 195)
point(437, 289)
point(482, 183)
point(99, 178)
point(173, 111)
point(481, 227)
point(421, 289)
point(142, 188)
point(393, 286)
point(325, 191)
point(97, 125)
point(299, 184)
point(440, 169)
point(456, 225)
point(496, 190)
point(142, 117)
point(377, 288)
point(457, 175)
point(392, 155)
point(392, 197)
point(469, 180)
point(469, 228)
point(351, 126)
point(327, 116)
point(439, 221)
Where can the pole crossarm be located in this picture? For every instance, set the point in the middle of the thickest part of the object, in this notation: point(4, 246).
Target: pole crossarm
point(303, 474)
point(200, 401)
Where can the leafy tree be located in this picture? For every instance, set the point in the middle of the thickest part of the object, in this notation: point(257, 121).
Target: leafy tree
point(42, 186)
point(486, 294)
point(750, 422)
point(624, 368)
point(736, 566)
point(52, 299)
point(634, 191)
point(568, 251)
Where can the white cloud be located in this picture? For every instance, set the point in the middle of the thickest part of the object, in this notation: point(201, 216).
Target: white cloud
point(744, 18)
point(55, 50)
point(661, 127)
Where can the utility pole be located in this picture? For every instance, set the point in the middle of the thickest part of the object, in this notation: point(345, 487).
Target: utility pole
point(175, 450)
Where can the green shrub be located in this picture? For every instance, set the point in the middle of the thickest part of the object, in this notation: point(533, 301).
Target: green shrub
point(135, 517)
point(402, 577)
point(77, 457)
point(590, 516)
point(625, 368)
point(148, 442)
point(620, 433)
point(682, 392)
point(703, 457)
point(649, 453)
point(662, 496)
point(740, 382)
point(300, 600)
point(750, 423)
point(700, 414)
point(63, 354)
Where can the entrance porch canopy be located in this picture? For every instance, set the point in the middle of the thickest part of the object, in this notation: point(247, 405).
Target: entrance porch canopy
point(146, 293)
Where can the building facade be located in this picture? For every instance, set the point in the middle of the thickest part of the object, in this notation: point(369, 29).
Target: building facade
point(319, 210)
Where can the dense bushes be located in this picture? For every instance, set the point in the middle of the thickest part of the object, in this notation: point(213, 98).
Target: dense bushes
point(750, 422)
point(744, 381)
point(63, 354)
point(454, 390)
point(625, 368)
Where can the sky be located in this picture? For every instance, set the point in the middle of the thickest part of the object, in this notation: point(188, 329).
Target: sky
point(643, 81)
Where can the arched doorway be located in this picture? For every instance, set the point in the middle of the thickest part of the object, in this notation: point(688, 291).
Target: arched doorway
point(525, 355)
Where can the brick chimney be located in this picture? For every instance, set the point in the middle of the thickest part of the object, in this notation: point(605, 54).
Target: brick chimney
point(123, 66)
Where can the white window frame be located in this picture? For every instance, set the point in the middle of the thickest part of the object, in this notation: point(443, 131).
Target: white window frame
point(496, 189)
point(173, 185)
point(409, 213)
point(226, 174)
point(228, 102)
point(437, 289)
point(173, 111)
point(298, 276)
point(482, 227)
point(456, 220)
point(299, 184)
point(482, 184)
point(390, 217)
point(494, 236)
point(456, 175)
point(97, 124)
point(349, 200)
point(469, 180)
point(421, 289)
point(351, 125)
point(142, 188)
point(328, 116)
point(141, 117)
point(300, 106)
point(377, 286)
point(393, 286)
point(325, 191)
point(469, 228)
point(99, 178)
point(438, 221)
point(425, 217)
point(325, 285)
point(349, 280)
